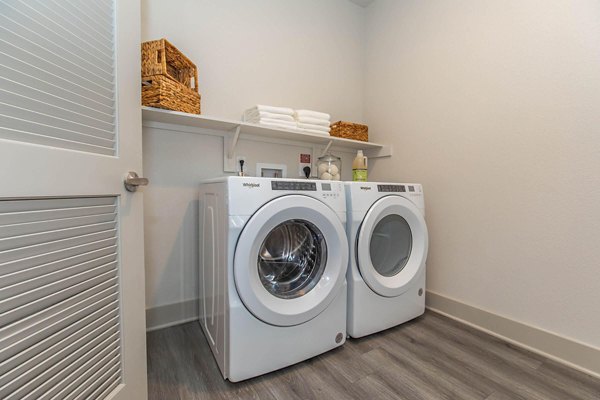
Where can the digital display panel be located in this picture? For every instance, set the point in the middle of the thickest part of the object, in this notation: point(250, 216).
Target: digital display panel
point(391, 188)
point(288, 185)
point(326, 186)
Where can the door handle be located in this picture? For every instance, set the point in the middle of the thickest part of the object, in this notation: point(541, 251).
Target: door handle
point(132, 181)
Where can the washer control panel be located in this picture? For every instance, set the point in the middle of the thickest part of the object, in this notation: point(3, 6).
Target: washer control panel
point(294, 185)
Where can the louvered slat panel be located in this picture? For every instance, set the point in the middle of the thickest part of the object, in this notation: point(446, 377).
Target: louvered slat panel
point(53, 235)
point(24, 96)
point(43, 248)
point(110, 382)
point(86, 335)
point(48, 215)
point(86, 377)
point(52, 318)
point(101, 26)
point(22, 275)
point(53, 224)
point(60, 126)
point(29, 325)
point(50, 205)
point(56, 20)
point(49, 45)
point(49, 85)
point(60, 339)
point(49, 23)
point(34, 259)
point(46, 374)
point(59, 298)
point(57, 83)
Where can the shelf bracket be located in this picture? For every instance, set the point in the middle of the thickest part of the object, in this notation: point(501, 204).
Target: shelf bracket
point(385, 151)
point(229, 145)
point(327, 148)
point(236, 137)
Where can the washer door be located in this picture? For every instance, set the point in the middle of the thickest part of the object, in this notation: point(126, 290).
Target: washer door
point(290, 260)
point(391, 245)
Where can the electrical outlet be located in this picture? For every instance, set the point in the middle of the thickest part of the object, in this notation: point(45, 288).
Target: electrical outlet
point(237, 164)
point(304, 162)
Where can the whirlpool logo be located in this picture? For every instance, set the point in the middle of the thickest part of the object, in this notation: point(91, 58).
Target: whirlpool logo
point(251, 185)
point(365, 188)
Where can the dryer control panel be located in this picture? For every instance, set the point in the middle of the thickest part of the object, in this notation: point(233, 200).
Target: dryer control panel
point(398, 188)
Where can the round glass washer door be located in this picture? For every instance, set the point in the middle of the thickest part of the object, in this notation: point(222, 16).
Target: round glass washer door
point(392, 245)
point(290, 260)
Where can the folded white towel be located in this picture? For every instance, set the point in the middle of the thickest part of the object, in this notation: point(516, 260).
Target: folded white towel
point(279, 125)
point(314, 121)
point(248, 115)
point(314, 131)
point(273, 121)
point(312, 114)
point(313, 127)
point(273, 109)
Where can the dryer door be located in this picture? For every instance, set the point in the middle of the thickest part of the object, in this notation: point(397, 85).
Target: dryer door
point(391, 245)
point(290, 260)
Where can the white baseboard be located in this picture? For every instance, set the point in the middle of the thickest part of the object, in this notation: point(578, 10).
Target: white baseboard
point(564, 350)
point(171, 314)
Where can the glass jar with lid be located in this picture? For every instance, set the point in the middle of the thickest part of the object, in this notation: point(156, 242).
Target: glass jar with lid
point(329, 167)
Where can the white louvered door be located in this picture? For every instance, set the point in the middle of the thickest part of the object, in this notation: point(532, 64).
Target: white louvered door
point(71, 237)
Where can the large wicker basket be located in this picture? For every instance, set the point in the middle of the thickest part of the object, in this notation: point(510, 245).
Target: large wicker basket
point(169, 78)
point(162, 92)
point(350, 130)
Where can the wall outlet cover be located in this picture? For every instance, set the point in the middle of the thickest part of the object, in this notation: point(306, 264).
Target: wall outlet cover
point(304, 162)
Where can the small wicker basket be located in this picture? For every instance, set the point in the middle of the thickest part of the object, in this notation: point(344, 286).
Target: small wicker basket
point(162, 92)
point(350, 130)
point(169, 78)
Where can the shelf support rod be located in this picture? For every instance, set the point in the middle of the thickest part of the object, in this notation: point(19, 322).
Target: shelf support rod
point(327, 148)
point(233, 144)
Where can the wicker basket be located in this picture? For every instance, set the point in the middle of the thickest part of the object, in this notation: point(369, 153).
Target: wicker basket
point(159, 57)
point(169, 79)
point(350, 130)
point(162, 92)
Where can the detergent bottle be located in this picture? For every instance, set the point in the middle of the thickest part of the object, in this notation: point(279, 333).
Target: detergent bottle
point(359, 167)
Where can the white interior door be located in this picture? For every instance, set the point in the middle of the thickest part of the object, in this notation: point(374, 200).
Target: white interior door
point(71, 237)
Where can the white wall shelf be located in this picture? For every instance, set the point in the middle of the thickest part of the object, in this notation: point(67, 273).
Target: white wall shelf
point(233, 130)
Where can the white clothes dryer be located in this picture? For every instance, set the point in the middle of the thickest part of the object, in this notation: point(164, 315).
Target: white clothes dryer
point(273, 259)
point(388, 243)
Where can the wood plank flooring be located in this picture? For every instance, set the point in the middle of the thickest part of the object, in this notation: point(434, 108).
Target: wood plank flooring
point(432, 357)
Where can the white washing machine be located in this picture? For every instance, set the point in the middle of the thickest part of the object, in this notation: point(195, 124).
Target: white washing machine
point(388, 243)
point(273, 259)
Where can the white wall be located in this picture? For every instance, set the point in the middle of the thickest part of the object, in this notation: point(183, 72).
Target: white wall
point(302, 54)
point(494, 106)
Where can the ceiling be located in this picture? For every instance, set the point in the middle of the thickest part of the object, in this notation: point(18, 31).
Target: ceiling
point(362, 3)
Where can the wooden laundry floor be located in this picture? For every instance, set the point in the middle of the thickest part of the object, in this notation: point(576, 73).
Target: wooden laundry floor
point(432, 357)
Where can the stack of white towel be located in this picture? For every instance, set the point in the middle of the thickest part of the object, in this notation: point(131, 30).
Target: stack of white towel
point(277, 117)
point(313, 121)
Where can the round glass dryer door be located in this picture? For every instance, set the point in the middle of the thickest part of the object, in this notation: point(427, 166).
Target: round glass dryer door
point(290, 260)
point(391, 245)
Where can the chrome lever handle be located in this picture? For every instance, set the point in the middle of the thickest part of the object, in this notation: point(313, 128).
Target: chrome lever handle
point(132, 181)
